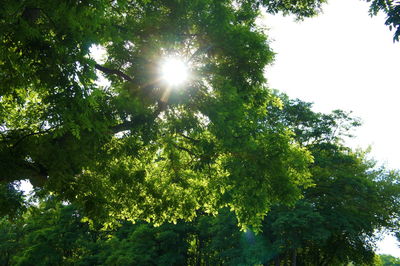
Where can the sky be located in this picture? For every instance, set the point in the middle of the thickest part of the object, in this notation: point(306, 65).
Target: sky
point(343, 59)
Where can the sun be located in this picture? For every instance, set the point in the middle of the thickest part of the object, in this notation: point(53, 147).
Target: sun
point(174, 71)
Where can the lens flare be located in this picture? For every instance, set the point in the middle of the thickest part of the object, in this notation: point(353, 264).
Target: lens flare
point(174, 71)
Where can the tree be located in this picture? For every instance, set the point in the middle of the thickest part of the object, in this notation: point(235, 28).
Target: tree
point(12, 201)
point(389, 260)
point(337, 219)
point(10, 235)
point(48, 234)
point(392, 10)
point(144, 244)
point(333, 224)
point(216, 240)
point(137, 149)
point(52, 233)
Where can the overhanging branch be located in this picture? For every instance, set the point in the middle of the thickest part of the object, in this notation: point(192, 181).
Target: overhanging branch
point(113, 72)
point(139, 120)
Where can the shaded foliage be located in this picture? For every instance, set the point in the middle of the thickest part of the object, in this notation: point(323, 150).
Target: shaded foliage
point(337, 219)
point(392, 10)
point(12, 201)
point(335, 222)
point(388, 260)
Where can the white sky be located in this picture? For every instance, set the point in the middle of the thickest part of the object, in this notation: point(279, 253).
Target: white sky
point(344, 59)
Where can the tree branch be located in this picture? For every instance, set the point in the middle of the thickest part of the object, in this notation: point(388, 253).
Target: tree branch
point(140, 120)
point(127, 125)
point(189, 138)
point(19, 169)
point(113, 72)
point(201, 50)
point(184, 149)
point(20, 139)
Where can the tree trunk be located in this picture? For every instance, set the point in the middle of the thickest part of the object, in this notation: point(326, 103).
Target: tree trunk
point(277, 261)
point(294, 257)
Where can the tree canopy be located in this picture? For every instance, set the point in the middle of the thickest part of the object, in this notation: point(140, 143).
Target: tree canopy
point(338, 219)
point(137, 148)
point(335, 223)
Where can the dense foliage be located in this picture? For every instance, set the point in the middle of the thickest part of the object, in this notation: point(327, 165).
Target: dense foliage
point(388, 260)
point(138, 149)
point(335, 223)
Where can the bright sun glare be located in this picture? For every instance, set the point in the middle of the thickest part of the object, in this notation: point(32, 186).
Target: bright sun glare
point(174, 71)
